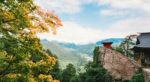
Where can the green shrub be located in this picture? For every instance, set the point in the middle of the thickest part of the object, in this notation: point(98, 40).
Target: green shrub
point(138, 76)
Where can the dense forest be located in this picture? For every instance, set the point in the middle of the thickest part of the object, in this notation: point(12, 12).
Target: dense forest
point(94, 72)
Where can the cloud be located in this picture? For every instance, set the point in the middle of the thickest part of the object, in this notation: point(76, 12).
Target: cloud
point(74, 33)
point(67, 6)
point(120, 5)
point(113, 12)
point(127, 4)
point(113, 7)
point(126, 27)
point(63, 6)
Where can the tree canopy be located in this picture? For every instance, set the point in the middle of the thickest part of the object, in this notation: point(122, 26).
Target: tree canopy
point(68, 73)
point(22, 58)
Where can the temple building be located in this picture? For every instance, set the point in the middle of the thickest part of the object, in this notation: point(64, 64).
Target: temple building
point(107, 44)
point(142, 49)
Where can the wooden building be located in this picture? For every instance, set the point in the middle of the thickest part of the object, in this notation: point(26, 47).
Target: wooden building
point(107, 44)
point(142, 49)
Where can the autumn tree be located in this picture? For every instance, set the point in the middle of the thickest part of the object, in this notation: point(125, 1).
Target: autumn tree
point(22, 58)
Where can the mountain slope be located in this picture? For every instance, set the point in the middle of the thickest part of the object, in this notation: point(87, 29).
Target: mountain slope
point(65, 56)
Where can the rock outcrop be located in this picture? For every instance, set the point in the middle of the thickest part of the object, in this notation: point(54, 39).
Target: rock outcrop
point(119, 66)
point(146, 74)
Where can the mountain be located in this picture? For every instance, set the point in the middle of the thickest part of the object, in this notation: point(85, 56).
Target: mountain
point(65, 55)
point(88, 48)
point(77, 54)
point(84, 48)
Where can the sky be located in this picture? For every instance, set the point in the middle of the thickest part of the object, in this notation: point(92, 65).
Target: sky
point(87, 21)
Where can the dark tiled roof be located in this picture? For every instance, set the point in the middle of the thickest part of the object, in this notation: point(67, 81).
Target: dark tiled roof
point(143, 40)
point(145, 45)
point(106, 41)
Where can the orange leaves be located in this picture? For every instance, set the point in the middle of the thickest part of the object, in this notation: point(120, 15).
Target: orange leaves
point(48, 19)
point(37, 21)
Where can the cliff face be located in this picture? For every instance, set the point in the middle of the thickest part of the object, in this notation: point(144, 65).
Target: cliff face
point(118, 65)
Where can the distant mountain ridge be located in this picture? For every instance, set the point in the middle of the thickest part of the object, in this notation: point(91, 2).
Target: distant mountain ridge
point(65, 55)
point(77, 54)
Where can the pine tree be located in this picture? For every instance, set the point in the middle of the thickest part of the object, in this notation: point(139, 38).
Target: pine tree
point(68, 73)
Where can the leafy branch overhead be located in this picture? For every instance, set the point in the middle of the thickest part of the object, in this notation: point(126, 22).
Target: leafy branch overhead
point(29, 15)
point(22, 57)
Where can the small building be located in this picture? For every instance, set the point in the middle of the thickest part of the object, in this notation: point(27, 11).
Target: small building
point(107, 44)
point(142, 49)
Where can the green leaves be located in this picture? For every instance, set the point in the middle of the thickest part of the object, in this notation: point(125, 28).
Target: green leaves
point(22, 57)
point(1, 1)
point(94, 73)
point(24, 0)
point(138, 76)
point(68, 73)
point(96, 55)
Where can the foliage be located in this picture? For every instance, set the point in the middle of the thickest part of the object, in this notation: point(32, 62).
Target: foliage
point(119, 49)
point(56, 71)
point(126, 45)
point(96, 55)
point(68, 73)
point(94, 72)
point(138, 76)
point(22, 58)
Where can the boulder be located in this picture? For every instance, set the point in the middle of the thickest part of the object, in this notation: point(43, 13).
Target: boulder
point(118, 65)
